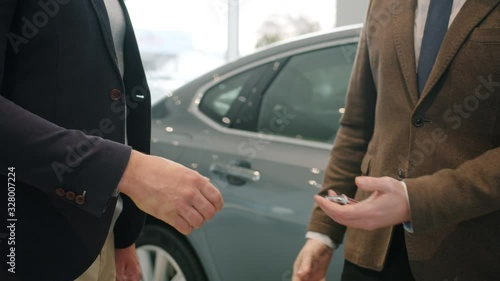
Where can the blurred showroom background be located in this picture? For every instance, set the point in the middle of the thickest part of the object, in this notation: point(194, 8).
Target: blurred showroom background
point(180, 40)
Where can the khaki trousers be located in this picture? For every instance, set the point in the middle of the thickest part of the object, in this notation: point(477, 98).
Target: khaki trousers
point(103, 268)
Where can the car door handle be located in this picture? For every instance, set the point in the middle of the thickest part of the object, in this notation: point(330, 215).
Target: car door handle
point(233, 170)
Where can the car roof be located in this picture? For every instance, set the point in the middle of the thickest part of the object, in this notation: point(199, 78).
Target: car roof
point(299, 42)
point(278, 49)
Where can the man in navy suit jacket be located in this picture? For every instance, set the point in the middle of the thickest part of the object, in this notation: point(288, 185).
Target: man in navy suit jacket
point(65, 112)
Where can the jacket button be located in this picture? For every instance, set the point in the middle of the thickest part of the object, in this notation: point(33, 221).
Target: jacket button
point(115, 94)
point(400, 174)
point(418, 120)
point(60, 192)
point(70, 195)
point(80, 200)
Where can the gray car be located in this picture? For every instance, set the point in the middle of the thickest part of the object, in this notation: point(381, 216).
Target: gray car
point(261, 128)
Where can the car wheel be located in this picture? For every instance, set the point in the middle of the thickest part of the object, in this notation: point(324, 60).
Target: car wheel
point(165, 255)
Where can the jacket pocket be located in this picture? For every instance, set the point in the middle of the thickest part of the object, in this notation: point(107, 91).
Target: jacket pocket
point(365, 164)
point(486, 35)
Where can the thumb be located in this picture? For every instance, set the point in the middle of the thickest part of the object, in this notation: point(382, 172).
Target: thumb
point(331, 192)
point(372, 184)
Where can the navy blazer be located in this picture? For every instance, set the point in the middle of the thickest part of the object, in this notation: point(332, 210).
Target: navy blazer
point(62, 129)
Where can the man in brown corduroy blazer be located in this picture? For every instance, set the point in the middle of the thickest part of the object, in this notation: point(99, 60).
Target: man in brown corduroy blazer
point(431, 156)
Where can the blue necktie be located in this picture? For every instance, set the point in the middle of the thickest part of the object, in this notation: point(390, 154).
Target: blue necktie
point(436, 26)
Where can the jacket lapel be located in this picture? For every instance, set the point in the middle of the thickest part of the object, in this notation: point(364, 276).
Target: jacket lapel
point(471, 14)
point(107, 34)
point(404, 41)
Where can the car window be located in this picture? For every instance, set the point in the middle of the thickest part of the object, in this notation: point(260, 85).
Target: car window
point(220, 98)
point(306, 99)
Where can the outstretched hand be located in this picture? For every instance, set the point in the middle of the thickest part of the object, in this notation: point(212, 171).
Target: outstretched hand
point(170, 192)
point(312, 262)
point(386, 206)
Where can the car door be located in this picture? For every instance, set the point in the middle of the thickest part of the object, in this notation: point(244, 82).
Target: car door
point(279, 120)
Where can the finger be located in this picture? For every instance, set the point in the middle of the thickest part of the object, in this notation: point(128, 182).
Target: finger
point(296, 266)
point(372, 197)
point(360, 215)
point(213, 196)
point(304, 268)
point(331, 192)
point(192, 216)
point(120, 272)
point(330, 209)
point(133, 277)
point(119, 277)
point(133, 271)
point(204, 207)
point(119, 267)
point(295, 277)
point(328, 206)
point(343, 214)
point(373, 184)
point(181, 225)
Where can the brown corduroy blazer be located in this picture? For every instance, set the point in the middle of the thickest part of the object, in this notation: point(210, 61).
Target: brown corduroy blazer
point(444, 144)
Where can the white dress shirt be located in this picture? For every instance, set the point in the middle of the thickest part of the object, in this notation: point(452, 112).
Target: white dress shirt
point(118, 28)
point(420, 18)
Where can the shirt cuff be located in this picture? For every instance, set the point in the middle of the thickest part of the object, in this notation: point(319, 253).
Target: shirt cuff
point(323, 238)
point(407, 225)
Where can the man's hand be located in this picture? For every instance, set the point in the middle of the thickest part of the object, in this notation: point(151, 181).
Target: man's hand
point(127, 265)
point(386, 206)
point(312, 262)
point(170, 192)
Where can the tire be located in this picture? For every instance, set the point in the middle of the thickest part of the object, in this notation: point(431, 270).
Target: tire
point(165, 252)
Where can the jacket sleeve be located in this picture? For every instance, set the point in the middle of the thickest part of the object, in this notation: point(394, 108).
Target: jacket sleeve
point(47, 156)
point(356, 129)
point(129, 224)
